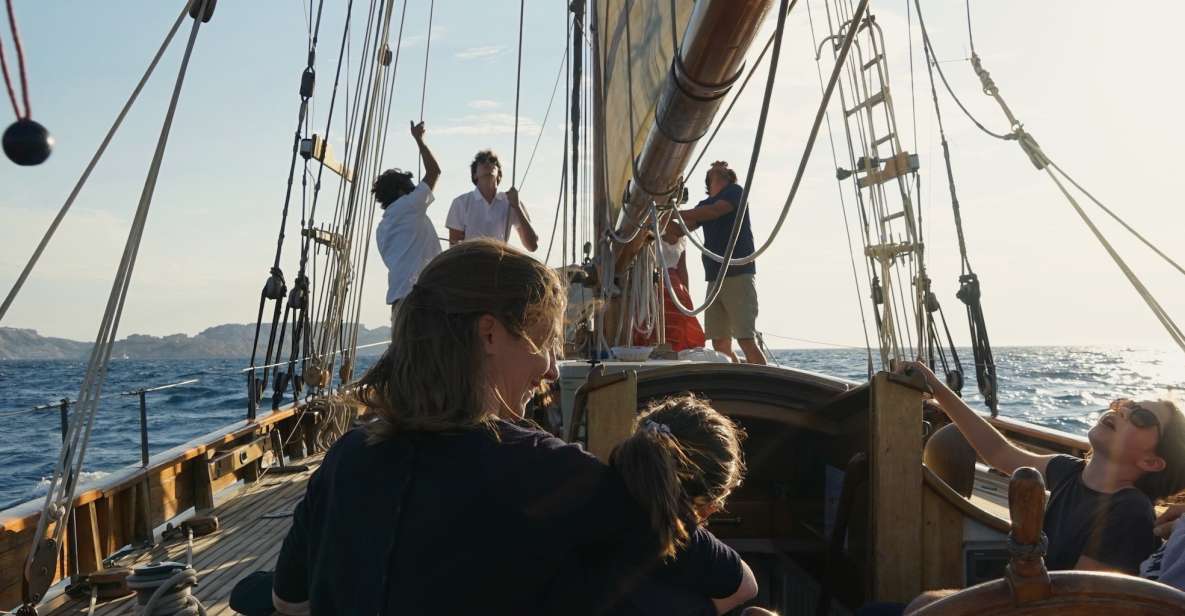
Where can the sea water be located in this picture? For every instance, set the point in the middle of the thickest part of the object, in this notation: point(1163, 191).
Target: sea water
point(1058, 387)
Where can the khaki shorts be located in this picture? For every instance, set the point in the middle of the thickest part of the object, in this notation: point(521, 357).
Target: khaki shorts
point(734, 313)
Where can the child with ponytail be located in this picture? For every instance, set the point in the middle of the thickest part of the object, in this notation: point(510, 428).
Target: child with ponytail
point(681, 463)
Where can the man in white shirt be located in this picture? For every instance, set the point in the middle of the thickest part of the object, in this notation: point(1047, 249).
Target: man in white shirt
point(485, 212)
point(406, 238)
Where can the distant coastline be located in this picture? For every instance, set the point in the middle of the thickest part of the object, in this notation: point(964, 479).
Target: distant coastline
point(226, 341)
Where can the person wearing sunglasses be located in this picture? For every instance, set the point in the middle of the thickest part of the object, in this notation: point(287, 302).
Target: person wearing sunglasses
point(1099, 515)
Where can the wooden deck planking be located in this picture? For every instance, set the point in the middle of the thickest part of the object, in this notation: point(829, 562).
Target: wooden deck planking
point(245, 542)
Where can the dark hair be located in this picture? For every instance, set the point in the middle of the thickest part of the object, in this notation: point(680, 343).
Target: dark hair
point(433, 378)
point(682, 453)
point(1171, 447)
point(719, 167)
point(391, 185)
point(485, 156)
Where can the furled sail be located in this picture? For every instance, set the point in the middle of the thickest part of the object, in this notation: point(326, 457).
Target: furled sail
point(636, 43)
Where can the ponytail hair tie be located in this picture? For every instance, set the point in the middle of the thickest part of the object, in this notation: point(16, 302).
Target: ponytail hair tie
point(654, 426)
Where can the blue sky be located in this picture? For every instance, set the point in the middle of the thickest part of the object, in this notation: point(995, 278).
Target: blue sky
point(1093, 83)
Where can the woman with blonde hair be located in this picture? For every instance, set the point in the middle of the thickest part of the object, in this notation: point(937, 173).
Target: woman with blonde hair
point(449, 502)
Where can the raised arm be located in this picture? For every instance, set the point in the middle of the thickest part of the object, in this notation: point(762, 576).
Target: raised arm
point(431, 167)
point(992, 446)
point(526, 232)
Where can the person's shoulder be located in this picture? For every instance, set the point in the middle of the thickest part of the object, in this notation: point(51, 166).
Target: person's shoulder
point(461, 200)
point(1060, 468)
point(1132, 504)
point(732, 193)
point(527, 435)
point(538, 444)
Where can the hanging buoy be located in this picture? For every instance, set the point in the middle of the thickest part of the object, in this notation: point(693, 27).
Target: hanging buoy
point(27, 143)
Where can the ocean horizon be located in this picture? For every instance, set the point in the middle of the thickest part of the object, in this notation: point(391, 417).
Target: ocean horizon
point(1061, 387)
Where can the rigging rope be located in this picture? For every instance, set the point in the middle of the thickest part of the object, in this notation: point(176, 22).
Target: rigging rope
point(740, 90)
point(546, 114)
point(743, 204)
point(731, 262)
point(518, 83)
point(1040, 160)
point(302, 327)
point(1161, 315)
point(424, 83)
point(86, 173)
point(59, 498)
point(929, 46)
point(20, 59)
point(394, 72)
point(969, 291)
point(275, 288)
point(843, 208)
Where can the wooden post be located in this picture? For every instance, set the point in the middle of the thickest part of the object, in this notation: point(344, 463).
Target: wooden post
point(895, 490)
point(611, 410)
point(90, 548)
point(203, 489)
point(1026, 571)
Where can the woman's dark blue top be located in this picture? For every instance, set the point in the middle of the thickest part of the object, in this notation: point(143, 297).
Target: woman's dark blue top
point(473, 522)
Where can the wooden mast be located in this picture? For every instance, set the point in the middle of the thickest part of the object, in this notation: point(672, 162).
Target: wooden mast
point(709, 61)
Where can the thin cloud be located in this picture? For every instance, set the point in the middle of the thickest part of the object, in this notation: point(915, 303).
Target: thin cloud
point(483, 104)
point(486, 124)
point(478, 53)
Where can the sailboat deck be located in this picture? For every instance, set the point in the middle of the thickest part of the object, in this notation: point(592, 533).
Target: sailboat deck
point(253, 524)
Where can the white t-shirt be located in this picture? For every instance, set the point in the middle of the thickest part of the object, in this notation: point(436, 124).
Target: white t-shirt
point(477, 217)
point(672, 252)
point(407, 240)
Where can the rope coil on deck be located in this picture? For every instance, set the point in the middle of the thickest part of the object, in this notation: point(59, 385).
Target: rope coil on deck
point(159, 595)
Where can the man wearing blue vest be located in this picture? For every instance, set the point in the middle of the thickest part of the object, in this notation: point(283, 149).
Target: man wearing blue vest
point(734, 313)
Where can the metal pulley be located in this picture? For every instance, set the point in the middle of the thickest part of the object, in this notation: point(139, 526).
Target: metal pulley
point(878, 293)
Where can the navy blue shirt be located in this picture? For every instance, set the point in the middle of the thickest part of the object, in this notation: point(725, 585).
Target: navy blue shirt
point(703, 570)
point(716, 234)
point(1114, 529)
point(466, 522)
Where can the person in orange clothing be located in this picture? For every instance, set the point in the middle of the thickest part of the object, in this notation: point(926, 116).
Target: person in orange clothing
point(682, 332)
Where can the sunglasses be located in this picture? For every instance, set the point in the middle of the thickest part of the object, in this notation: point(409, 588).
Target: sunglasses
point(1139, 416)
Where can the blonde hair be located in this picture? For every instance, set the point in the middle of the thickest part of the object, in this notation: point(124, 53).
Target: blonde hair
point(682, 453)
point(433, 376)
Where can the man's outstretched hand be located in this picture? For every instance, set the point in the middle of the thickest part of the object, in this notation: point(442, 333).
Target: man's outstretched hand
point(417, 130)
